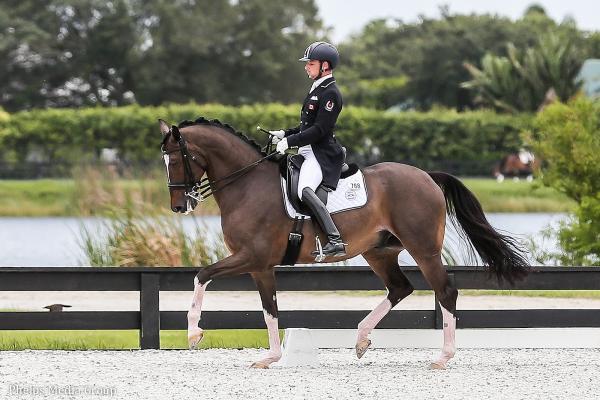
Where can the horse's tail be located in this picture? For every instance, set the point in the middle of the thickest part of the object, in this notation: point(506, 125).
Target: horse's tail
point(501, 253)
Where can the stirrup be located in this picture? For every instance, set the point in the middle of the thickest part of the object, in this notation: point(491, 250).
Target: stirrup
point(319, 256)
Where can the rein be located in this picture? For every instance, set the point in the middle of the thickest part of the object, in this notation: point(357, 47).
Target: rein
point(201, 189)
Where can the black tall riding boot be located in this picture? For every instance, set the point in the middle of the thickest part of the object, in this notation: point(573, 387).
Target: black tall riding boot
point(335, 246)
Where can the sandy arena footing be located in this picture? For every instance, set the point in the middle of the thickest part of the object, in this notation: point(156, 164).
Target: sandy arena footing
point(224, 374)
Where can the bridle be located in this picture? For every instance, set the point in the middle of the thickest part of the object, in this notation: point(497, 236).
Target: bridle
point(200, 189)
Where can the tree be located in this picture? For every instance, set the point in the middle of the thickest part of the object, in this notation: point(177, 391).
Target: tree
point(567, 138)
point(28, 57)
point(496, 84)
point(535, 10)
point(431, 52)
point(70, 53)
point(520, 81)
point(227, 52)
point(381, 93)
point(66, 53)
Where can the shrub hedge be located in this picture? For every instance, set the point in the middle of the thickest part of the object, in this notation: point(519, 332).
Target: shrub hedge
point(468, 143)
point(567, 137)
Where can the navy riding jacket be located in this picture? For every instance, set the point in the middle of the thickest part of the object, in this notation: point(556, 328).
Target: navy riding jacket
point(319, 114)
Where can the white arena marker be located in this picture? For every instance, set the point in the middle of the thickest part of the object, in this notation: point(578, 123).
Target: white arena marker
point(299, 349)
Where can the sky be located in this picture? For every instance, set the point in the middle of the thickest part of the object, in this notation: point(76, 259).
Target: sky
point(349, 16)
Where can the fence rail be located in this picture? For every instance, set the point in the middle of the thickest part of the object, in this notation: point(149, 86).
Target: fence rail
point(150, 281)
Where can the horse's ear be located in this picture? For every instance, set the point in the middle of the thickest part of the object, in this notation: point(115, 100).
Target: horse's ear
point(175, 132)
point(164, 127)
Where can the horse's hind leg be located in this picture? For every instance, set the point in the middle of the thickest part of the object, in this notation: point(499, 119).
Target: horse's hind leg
point(384, 262)
point(420, 227)
point(437, 277)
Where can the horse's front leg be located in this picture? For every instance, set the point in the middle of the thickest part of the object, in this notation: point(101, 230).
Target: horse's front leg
point(265, 282)
point(232, 265)
point(195, 333)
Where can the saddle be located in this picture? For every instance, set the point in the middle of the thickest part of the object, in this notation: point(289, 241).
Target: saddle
point(289, 167)
point(290, 171)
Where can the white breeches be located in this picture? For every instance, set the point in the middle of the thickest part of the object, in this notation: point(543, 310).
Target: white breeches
point(310, 173)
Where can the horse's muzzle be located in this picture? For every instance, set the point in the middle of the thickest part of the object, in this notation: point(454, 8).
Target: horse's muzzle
point(179, 209)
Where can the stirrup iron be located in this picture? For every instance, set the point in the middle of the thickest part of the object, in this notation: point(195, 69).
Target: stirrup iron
point(319, 257)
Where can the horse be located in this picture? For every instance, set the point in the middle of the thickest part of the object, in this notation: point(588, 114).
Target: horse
point(518, 164)
point(406, 209)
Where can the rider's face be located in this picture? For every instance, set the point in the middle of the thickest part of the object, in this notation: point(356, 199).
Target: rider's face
point(312, 68)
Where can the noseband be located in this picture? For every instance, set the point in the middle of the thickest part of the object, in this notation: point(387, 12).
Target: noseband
point(200, 189)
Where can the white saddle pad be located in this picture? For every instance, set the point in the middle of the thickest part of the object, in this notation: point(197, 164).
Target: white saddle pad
point(350, 193)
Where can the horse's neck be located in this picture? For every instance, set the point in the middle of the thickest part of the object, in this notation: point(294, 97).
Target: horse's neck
point(227, 154)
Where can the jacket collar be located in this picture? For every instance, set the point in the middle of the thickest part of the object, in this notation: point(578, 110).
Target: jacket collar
point(322, 83)
point(330, 79)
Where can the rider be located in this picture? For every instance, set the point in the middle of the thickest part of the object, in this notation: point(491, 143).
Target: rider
point(323, 155)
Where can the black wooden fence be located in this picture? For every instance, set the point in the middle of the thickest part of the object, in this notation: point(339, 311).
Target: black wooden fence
point(150, 281)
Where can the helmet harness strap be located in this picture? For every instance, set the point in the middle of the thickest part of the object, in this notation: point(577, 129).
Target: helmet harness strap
point(321, 70)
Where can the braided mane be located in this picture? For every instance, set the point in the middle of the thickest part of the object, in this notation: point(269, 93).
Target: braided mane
point(225, 127)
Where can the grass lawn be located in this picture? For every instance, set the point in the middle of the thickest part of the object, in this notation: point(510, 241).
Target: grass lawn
point(37, 198)
point(563, 294)
point(58, 197)
point(128, 339)
point(62, 197)
point(522, 196)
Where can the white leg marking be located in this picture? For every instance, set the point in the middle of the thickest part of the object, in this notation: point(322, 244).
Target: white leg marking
point(449, 347)
point(194, 332)
point(368, 324)
point(274, 353)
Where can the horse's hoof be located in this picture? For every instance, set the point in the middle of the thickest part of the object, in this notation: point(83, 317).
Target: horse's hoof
point(437, 365)
point(259, 365)
point(194, 339)
point(362, 347)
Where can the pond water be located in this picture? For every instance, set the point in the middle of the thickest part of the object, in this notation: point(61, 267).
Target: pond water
point(55, 241)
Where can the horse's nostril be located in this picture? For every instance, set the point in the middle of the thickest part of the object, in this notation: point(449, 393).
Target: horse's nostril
point(177, 209)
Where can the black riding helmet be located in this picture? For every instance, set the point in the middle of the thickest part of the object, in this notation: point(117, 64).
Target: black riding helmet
point(322, 51)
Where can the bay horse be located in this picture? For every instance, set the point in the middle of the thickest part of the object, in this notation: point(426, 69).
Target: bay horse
point(516, 165)
point(406, 209)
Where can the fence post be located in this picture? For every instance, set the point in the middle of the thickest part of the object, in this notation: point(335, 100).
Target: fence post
point(439, 318)
point(149, 311)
